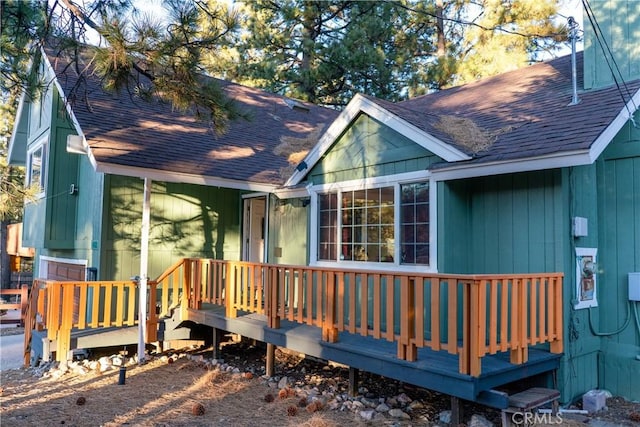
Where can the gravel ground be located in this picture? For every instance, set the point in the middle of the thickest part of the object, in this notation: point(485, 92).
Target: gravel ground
point(302, 374)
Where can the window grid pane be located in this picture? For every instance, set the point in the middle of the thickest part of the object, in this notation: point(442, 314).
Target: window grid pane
point(414, 223)
point(367, 225)
point(328, 226)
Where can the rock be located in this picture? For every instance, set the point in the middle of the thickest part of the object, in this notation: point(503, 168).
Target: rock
point(404, 399)
point(416, 404)
point(399, 413)
point(369, 402)
point(445, 417)
point(284, 382)
point(356, 405)
point(479, 421)
point(367, 414)
point(117, 361)
point(80, 370)
point(383, 407)
point(57, 374)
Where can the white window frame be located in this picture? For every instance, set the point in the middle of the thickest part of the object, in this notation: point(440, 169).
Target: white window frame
point(361, 184)
point(41, 144)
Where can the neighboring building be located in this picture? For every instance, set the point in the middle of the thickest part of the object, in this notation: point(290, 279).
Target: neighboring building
point(506, 175)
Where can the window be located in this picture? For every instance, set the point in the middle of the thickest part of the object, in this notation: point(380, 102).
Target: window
point(388, 225)
point(36, 166)
point(414, 223)
point(367, 229)
point(328, 219)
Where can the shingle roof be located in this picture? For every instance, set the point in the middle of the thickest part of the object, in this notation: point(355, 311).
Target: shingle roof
point(527, 109)
point(126, 131)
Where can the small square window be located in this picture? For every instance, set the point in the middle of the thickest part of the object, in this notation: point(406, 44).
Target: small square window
point(36, 168)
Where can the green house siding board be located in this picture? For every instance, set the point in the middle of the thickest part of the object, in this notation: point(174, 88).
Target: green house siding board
point(618, 21)
point(186, 221)
point(577, 374)
point(507, 229)
point(288, 232)
point(619, 254)
point(61, 203)
point(454, 227)
point(369, 149)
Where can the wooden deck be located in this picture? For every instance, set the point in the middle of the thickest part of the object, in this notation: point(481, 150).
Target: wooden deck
point(463, 335)
point(433, 370)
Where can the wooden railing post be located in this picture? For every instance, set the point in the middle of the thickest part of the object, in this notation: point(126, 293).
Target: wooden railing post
point(30, 321)
point(230, 291)
point(465, 352)
point(329, 330)
point(152, 316)
point(407, 349)
point(556, 295)
point(477, 330)
point(273, 289)
point(63, 337)
point(197, 285)
point(186, 288)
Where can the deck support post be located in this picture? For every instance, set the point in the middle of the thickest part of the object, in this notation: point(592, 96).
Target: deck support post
point(456, 411)
point(217, 338)
point(354, 379)
point(271, 357)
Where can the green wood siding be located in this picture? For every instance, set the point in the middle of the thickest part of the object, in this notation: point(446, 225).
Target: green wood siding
point(186, 221)
point(368, 149)
point(619, 254)
point(288, 232)
point(502, 224)
point(619, 21)
point(62, 206)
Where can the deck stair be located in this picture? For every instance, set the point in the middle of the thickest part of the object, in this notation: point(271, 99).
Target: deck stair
point(526, 402)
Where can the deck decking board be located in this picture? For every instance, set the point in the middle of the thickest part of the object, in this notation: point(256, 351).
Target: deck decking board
point(433, 370)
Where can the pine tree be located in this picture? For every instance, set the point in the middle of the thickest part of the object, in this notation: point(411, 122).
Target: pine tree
point(128, 49)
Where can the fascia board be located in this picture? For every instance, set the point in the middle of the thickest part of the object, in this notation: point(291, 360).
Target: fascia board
point(553, 161)
point(67, 105)
point(183, 178)
point(361, 104)
point(292, 193)
point(14, 132)
point(602, 142)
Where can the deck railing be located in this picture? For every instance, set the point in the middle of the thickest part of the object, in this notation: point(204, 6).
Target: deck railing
point(20, 297)
point(467, 315)
point(60, 307)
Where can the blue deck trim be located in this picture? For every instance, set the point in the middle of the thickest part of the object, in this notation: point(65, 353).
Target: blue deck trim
point(434, 370)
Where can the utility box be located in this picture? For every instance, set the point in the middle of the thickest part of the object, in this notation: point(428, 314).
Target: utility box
point(580, 227)
point(634, 286)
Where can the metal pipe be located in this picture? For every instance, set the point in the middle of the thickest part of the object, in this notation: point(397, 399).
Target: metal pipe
point(573, 36)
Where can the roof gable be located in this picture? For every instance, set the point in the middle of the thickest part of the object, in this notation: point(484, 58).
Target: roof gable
point(368, 149)
point(361, 104)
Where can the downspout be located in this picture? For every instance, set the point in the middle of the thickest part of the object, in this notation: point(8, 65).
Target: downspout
point(144, 263)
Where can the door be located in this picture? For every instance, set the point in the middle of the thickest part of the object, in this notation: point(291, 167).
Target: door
point(255, 229)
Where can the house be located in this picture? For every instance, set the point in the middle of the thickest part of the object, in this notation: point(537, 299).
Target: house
point(514, 174)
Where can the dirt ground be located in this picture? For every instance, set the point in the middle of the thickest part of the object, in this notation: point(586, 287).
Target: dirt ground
point(160, 393)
